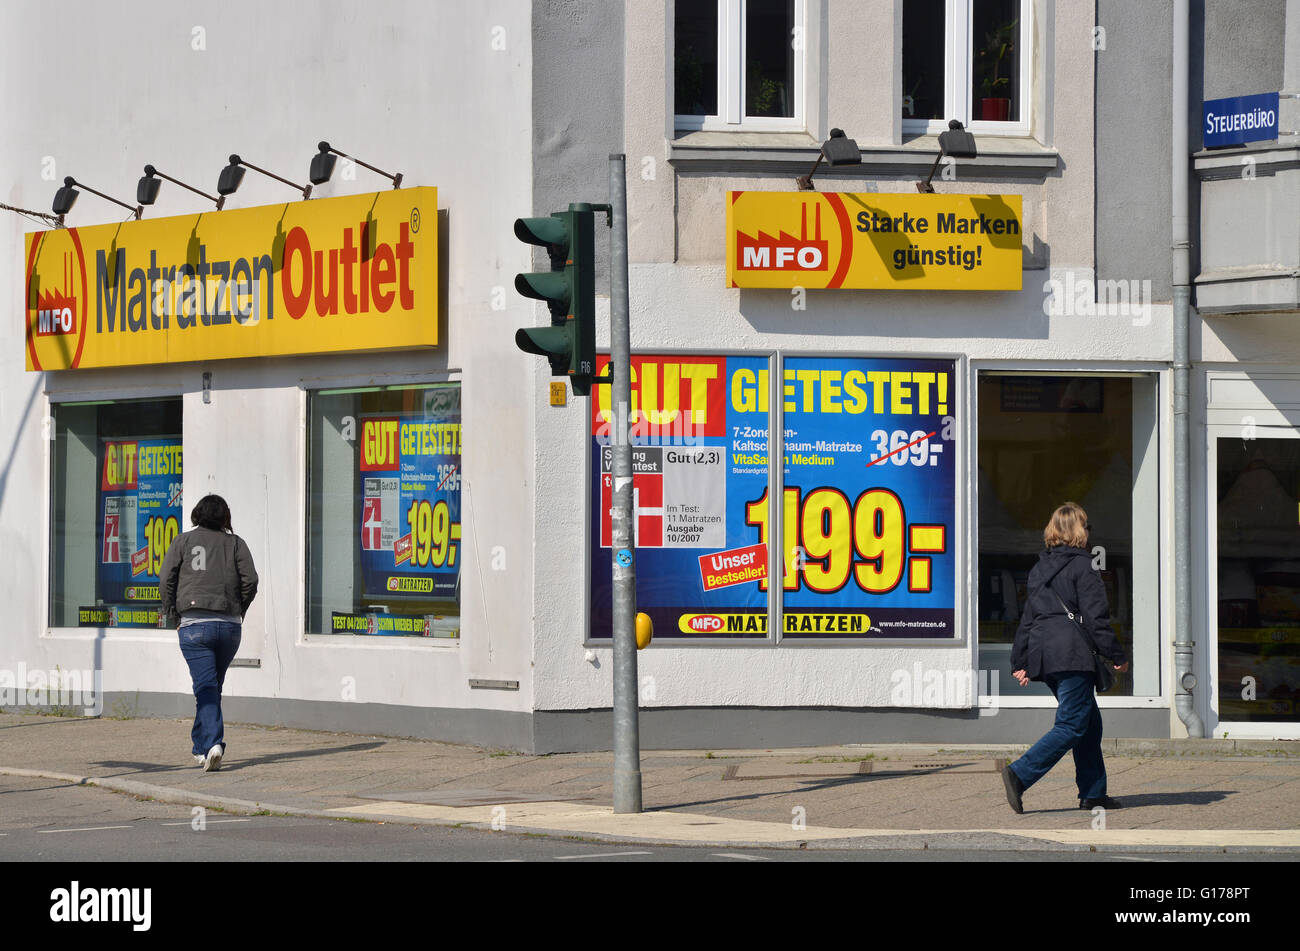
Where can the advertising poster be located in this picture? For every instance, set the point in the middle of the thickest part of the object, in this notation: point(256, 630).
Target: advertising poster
point(869, 506)
point(867, 514)
point(700, 473)
point(410, 502)
point(139, 516)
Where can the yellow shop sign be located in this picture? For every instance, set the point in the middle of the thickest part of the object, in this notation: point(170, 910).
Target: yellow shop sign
point(885, 242)
point(336, 274)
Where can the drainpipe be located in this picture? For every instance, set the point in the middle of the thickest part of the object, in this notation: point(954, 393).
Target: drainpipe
point(1185, 679)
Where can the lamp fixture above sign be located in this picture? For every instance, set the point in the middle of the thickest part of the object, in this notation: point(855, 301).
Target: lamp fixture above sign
point(839, 149)
point(146, 192)
point(322, 166)
point(233, 174)
point(66, 197)
point(957, 143)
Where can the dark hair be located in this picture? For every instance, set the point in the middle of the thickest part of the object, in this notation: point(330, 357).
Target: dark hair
point(212, 512)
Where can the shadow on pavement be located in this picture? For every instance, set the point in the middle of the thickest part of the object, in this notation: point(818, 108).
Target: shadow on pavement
point(233, 766)
point(45, 721)
point(805, 786)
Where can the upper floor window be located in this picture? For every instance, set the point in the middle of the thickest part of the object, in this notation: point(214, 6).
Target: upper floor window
point(738, 64)
point(967, 60)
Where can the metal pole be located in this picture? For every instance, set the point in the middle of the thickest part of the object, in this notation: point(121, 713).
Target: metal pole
point(627, 743)
point(1184, 676)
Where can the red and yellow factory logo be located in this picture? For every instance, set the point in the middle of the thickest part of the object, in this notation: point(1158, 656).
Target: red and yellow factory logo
point(888, 242)
point(57, 299)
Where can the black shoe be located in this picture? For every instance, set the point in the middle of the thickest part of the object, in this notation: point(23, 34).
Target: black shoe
point(1105, 802)
point(1014, 788)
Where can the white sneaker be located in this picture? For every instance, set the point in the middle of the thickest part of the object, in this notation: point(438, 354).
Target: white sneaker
point(200, 759)
point(212, 762)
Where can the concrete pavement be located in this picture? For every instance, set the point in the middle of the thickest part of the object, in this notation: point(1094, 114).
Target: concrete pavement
point(1178, 794)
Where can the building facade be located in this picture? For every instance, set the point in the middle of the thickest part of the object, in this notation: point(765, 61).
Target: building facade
point(432, 529)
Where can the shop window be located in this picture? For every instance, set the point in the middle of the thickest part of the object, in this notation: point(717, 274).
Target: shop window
point(738, 64)
point(966, 60)
point(1045, 440)
point(1258, 579)
point(115, 506)
point(858, 542)
point(383, 521)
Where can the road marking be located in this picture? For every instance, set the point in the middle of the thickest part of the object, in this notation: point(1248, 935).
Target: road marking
point(602, 855)
point(206, 821)
point(1136, 858)
point(92, 829)
point(738, 855)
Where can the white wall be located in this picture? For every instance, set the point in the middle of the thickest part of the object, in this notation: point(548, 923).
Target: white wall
point(440, 92)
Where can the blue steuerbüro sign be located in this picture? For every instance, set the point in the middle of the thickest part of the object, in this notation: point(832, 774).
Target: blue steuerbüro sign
point(1240, 119)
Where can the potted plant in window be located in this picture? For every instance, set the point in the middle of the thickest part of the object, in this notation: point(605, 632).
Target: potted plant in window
point(994, 105)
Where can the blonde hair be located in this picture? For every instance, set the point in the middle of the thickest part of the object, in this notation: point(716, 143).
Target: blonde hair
point(1067, 526)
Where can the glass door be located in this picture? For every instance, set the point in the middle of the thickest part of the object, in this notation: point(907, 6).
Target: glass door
point(1257, 548)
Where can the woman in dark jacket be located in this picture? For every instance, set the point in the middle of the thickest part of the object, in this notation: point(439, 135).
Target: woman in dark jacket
point(1051, 647)
point(208, 582)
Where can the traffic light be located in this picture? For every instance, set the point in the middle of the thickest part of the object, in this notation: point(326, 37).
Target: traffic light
point(569, 290)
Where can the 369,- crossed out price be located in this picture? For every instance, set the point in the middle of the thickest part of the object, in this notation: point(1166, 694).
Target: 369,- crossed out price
point(830, 540)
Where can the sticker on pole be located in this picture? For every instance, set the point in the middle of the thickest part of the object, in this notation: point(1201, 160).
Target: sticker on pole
point(624, 558)
point(736, 566)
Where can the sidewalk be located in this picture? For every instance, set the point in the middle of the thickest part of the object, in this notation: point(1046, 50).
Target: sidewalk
point(1232, 796)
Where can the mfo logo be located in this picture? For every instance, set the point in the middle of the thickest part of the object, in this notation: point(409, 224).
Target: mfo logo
point(56, 316)
point(56, 306)
point(785, 252)
point(703, 623)
point(56, 310)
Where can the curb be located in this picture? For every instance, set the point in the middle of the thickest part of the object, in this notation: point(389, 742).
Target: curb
point(910, 840)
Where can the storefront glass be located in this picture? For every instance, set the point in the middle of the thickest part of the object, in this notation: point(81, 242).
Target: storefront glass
point(1049, 439)
point(384, 517)
point(1258, 579)
point(115, 505)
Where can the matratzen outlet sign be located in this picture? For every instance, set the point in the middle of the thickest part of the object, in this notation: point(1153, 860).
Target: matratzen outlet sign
point(339, 274)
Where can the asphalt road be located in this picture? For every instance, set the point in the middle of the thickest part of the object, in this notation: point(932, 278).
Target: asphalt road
point(44, 821)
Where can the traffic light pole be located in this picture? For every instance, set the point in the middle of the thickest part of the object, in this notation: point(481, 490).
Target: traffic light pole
point(627, 742)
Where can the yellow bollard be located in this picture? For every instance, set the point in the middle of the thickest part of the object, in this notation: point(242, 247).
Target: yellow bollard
point(645, 630)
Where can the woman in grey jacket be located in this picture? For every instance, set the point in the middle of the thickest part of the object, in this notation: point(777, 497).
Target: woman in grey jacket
point(1053, 648)
point(208, 582)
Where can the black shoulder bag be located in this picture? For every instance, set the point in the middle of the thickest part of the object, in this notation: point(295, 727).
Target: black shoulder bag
point(1102, 669)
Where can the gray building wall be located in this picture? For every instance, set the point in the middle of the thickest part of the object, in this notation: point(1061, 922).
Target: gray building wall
point(577, 110)
point(1244, 46)
point(1134, 118)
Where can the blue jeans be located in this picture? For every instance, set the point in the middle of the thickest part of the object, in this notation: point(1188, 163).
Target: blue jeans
point(1077, 728)
point(209, 647)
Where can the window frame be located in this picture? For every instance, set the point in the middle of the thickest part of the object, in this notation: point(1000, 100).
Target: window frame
point(731, 77)
point(73, 397)
point(959, 94)
point(308, 391)
point(1164, 574)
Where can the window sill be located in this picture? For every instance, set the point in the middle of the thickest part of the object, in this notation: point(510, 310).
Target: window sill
point(1001, 158)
